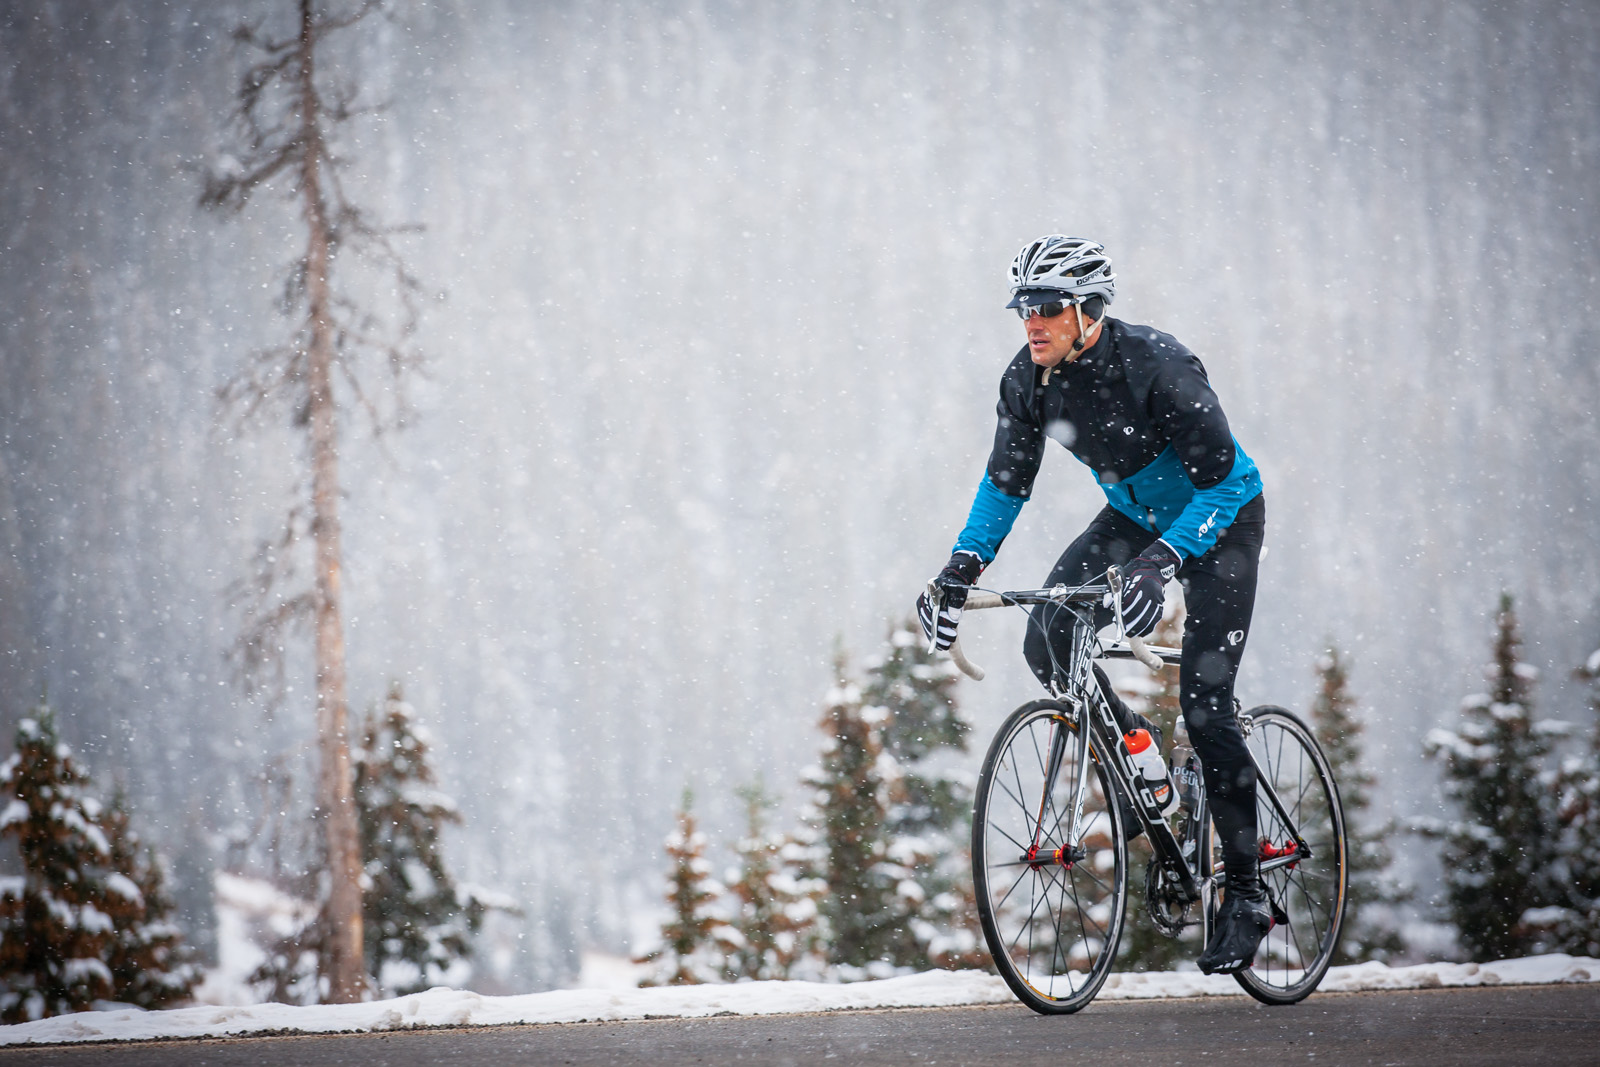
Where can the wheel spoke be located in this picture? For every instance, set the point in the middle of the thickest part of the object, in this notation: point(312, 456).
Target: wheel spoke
point(1020, 847)
point(1015, 882)
point(1014, 797)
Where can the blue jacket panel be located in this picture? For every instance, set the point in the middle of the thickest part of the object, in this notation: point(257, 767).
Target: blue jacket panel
point(1162, 499)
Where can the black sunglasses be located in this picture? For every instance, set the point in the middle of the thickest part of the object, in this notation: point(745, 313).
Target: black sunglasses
point(1048, 310)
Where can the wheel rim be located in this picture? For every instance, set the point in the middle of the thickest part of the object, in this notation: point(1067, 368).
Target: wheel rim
point(1310, 892)
point(1052, 923)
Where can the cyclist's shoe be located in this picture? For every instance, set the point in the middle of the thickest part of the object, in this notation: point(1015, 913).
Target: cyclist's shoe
point(1244, 919)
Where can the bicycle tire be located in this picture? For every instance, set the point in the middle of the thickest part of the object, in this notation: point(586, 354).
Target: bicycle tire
point(1053, 927)
point(1294, 956)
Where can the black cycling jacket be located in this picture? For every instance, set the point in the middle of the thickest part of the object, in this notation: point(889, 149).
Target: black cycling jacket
point(1139, 411)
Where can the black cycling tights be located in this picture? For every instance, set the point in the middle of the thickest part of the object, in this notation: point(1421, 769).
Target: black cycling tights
point(1220, 592)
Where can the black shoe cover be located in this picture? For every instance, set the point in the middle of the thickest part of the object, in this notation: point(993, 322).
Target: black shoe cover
point(1241, 924)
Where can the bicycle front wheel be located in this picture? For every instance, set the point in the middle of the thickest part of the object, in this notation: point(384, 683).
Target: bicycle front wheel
point(1309, 890)
point(1051, 879)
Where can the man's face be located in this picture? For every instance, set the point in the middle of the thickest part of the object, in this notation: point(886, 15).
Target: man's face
point(1050, 340)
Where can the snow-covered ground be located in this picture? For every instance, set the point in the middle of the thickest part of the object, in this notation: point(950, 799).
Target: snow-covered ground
point(449, 1007)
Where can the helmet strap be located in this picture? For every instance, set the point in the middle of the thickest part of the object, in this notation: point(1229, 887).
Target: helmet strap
point(1077, 309)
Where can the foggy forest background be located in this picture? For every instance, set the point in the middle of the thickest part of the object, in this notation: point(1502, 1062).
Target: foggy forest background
point(714, 320)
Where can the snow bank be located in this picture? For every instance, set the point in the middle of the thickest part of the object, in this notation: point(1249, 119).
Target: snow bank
point(449, 1007)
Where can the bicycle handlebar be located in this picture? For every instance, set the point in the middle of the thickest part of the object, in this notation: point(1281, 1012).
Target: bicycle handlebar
point(1083, 594)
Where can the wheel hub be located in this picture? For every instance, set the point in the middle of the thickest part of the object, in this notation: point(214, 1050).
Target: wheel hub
point(1269, 851)
point(1037, 857)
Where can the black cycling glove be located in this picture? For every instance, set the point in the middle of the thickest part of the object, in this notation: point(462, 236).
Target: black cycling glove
point(962, 570)
point(1144, 587)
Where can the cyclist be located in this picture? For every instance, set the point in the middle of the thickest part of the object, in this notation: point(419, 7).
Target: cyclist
point(1182, 499)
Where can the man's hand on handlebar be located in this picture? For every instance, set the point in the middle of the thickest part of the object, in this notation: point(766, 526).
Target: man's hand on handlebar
point(941, 613)
point(1144, 592)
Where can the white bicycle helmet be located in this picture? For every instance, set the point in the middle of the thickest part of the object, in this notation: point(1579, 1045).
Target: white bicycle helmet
point(1076, 268)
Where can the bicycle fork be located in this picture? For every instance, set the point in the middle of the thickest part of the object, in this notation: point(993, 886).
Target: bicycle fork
point(1072, 851)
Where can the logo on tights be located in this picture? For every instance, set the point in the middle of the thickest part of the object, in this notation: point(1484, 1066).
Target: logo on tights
point(1235, 636)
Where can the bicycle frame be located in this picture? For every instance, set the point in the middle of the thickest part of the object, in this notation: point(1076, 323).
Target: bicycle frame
point(1081, 691)
point(1301, 849)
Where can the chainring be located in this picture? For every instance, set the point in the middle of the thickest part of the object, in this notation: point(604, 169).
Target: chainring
point(1168, 911)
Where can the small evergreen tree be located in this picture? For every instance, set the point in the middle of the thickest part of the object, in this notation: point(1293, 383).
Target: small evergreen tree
point(292, 944)
point(696, 942)
point(928, 822)
point(1339, 728)
point(57, 926)
point(866, 919)
point(1496, 853)
point(1574, 925)
point(86, 921)
point(291, 973)
point(886, 828)
point(777, 918)
point(151, 965)
point(418, 923)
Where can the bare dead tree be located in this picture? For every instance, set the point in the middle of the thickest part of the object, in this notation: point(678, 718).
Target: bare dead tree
point(286, 116)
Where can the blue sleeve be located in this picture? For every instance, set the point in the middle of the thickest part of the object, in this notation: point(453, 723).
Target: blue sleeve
point(1195, 529)
point(992, 515)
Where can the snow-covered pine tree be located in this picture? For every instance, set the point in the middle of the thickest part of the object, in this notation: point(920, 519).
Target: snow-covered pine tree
point(928, 822)
point(696, 941)
point(418, 923)
point(151, 965)
point(88, 920)
point(846, 827)
point(1368, 932)
point(292, 850)
point(56, 926)
point(919, 690)
point(777, 918)
point(1575, 923)
point(1155, 696)
point(1503, 842)
point(291, 973)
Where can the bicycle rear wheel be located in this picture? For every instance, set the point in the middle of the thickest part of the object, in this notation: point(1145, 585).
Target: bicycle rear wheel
point(1308, 892)
point(1052, 909)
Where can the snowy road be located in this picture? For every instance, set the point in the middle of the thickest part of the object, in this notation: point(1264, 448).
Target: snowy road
point(1529, 1025)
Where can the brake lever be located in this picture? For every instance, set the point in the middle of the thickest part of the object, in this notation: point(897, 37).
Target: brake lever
point(1136, 645)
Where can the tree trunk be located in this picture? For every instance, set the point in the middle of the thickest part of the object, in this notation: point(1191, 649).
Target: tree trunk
point(342, 914)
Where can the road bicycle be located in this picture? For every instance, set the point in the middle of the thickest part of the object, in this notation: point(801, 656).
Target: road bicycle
point(1050, 848)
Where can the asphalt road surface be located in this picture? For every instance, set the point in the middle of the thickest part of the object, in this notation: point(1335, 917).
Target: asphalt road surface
point(1523, 1025)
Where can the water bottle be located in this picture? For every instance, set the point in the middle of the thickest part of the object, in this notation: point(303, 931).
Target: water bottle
point(1151, 770)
